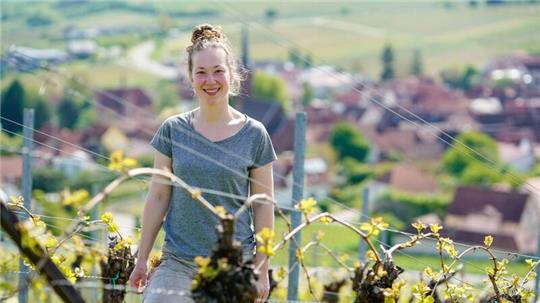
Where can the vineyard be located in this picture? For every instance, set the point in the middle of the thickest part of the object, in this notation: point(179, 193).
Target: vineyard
point(63, 262)
point(70, 244)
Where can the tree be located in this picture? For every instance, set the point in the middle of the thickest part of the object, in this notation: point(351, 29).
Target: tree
point(388, 63)
point(42, 112)
point(460, 78)
point(348, 142)
point(270, 88)
point(12, 107)
point(416, 66)
point(481, 175)
point(49, 180)
point(270, 14)
point(39, 19)
point(295, 56)
point(68, 113)
point(308, 61)
point(467, 77)
point(460, 156)
point(307, 94)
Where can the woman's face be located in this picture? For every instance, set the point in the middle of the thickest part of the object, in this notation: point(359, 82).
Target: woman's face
point(210, 76)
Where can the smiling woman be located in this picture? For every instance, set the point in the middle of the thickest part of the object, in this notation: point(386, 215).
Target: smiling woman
point(214, 147)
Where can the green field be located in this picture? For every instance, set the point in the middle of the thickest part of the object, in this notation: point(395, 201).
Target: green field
point(350, 35)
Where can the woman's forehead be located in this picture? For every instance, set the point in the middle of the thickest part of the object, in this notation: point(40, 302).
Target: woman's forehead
point(209, 58)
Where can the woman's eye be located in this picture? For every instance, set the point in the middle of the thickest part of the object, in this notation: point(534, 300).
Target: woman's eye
point(200, 72)
point(219, 71)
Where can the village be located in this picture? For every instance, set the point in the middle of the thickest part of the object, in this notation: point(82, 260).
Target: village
point(455, 145)
point(409, 122)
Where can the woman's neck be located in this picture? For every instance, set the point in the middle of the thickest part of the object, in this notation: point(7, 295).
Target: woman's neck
point(215, 114)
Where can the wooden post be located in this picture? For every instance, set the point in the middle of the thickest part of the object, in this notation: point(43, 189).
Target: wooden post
point(297, 195)
point(28, 132)
point(537, 280)
point(96, 234)
point(37, 255)
point(363, 217)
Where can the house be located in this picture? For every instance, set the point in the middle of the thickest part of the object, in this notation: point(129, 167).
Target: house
point(10, 169)
point(72, 163)
point(271, 115)
point(405, 178)
point(124, 101)
point(424, 97)
point(316, 178)
point(81, 49)
point(507, 216)
point(531, 214)
point(130, 109)
point(521, 68)
point(27, 59)
point(520, 157)
point(327, 79)
point(408, 178)
point(408, 141)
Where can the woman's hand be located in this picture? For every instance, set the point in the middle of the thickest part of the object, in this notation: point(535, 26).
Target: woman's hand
point(139, 277)
point(263, 287)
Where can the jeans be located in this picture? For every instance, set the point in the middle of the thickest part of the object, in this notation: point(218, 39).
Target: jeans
point(171, 281)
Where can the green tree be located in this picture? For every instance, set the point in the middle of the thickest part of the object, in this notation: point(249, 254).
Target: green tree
point(460, 156)
point(39, 19)
point(270, 14)
point(49, 180)
point(388, 63)
point(42, 112)
point(348, 142)
point(481, 175)
point(308, 61)
point(467, 77)
point(13, 100)
point(68, 113)
point(87, 117)
point(167, 96)
point(11, 144)
point(416, 66)
point(295, 56)
point(270, 88)
point(307, 94)
point(460, 78)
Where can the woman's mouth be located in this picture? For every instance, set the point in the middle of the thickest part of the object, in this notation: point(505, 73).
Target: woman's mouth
point(212, 91)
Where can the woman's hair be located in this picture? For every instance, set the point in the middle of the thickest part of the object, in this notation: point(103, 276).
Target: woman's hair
point(206, 36)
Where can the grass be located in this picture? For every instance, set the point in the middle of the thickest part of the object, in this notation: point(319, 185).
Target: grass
point(352, 39)
point(343, 241)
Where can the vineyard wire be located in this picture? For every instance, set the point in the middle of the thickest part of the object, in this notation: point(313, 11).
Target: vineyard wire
point(292, 209)
point(491, 164)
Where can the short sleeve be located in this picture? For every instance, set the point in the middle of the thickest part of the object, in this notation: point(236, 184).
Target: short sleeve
point(265, 152)
point(162, 139)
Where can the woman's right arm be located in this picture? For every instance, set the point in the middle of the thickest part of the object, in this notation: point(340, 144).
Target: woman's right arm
point(155, 208)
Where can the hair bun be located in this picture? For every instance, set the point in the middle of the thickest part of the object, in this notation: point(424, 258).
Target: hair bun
point(206, 32)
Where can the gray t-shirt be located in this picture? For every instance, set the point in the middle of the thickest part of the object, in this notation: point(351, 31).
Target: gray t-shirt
point(221, 166)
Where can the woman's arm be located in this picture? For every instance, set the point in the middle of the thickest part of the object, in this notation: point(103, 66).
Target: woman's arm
point(155, 208)
point(263, 183)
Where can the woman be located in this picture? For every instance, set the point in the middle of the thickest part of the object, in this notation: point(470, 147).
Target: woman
point(213, 146)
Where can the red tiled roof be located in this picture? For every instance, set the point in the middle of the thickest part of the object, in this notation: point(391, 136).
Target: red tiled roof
point(121, 99)
point(469, 200)
point(409, 178)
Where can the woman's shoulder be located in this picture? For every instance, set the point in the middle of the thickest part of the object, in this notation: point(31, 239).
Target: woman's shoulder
point(182, 119)
point(254, 123)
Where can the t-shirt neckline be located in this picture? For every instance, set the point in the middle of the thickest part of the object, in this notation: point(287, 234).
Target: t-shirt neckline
point(241, 130)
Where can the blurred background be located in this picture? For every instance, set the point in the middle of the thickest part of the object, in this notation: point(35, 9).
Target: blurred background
point(388, 87)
